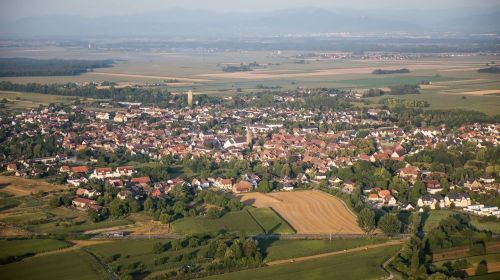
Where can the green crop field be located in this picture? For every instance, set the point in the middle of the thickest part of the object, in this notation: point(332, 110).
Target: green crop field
point(75, 265)
point(362, 265)
point(288, 249)
point(19, 248)
point(240, 221)
point(270, 221)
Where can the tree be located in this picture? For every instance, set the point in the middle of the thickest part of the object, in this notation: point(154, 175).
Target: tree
point(117, 208)
point(390, 224)
point(415, 222)
point(178, 207)
point(482, 268)
point(221, 250)
point(234, 205)
point(176, 245)
point(264, 186)
point(213, 213)
point(148, 205)
point(158, 248)
point(366, 220)
point(55, 201)
point(249, 248)
point(93, 215)
point(165, 218)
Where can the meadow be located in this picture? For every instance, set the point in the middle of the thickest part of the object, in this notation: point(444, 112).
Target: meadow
point(73, 264)
point(21, 187)
point(247, 221)
point(289, 249)
point(360, 265)
point(20, 248)
point(436, 216)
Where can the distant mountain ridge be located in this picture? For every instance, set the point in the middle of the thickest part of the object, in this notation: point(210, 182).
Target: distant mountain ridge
point(189, 23)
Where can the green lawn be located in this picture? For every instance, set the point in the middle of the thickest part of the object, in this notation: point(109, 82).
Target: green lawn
point(270, 221)
point(240, 221)
point(287, 249)
point(30, 246)
point(359, 265)
point(74, 265)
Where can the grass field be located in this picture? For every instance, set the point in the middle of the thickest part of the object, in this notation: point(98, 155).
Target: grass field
point(437, 215)
point(251, 221)
point(308, 212)
point(123, 255)
point(21, 187)
point(288, 249)
point(75, 265)
point(270, 221)
point(18, 248)
point(363, 265)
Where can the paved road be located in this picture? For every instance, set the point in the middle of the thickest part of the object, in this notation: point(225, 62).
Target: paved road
point(359, 249)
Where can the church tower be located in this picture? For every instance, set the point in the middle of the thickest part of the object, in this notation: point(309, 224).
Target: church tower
point(190, 99)
point(249, 136)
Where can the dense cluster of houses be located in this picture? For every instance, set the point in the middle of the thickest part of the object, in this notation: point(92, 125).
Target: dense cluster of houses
point(158, 133)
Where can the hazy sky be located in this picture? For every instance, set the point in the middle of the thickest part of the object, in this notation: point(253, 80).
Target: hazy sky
point(14, 9)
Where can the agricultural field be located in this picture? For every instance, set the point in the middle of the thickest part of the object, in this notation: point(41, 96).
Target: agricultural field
point(270, 221)
point(492, 247)
point(73, 264)
point(20, 248)
point(493, 261)
point(436, 216)
point(21, 187)
point(358, 265)
point(248, 221)
point(451, 77)
point(308, 212)
point(289, 249)
point(128, 255)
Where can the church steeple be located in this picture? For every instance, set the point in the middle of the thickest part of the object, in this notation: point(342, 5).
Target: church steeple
point(249, 136)
point(190, 99)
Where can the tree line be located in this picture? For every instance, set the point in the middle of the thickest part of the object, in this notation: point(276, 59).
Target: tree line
point(15, 67)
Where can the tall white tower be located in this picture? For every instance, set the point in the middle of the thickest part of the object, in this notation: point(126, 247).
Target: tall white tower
point(190, 99)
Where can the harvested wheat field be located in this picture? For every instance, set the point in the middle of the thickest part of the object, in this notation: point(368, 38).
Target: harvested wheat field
point(308, 212)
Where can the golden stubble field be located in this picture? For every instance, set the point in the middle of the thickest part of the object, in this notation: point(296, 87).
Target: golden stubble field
point(308, 212)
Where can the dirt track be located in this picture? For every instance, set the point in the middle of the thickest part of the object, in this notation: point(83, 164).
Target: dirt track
point(308, 212)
